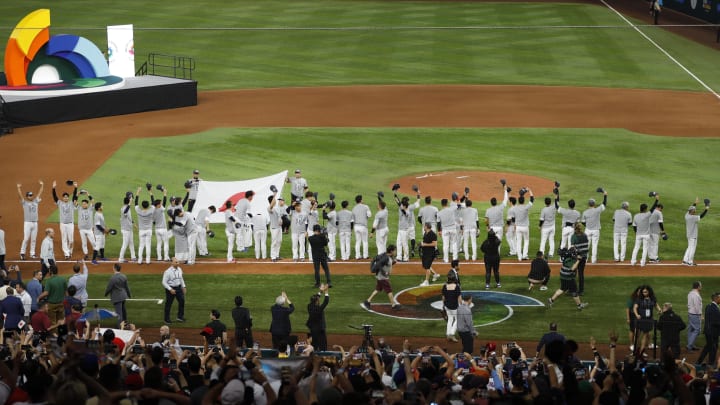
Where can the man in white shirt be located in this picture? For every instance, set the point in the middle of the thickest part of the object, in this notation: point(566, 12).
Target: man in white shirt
point(174, 286)
point(695, 311)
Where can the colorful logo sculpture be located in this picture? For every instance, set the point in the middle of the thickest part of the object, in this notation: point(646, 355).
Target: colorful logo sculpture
point(31, 48)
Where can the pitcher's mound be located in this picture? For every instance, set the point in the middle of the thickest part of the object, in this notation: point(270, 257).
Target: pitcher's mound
point(483, 185)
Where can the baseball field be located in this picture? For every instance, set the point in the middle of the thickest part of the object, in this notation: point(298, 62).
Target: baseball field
point(363, 94)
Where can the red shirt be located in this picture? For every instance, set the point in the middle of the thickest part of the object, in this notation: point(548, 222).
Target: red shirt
point(40, 321)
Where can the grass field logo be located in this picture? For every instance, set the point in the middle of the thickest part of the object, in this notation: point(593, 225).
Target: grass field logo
point(425, 304)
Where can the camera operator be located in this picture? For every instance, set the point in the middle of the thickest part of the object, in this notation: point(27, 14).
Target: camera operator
point(318, 241)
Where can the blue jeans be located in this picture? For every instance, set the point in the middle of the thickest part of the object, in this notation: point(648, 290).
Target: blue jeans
point(694, 327)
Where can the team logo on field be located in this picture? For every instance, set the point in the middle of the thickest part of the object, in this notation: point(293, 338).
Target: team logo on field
point(425, 304)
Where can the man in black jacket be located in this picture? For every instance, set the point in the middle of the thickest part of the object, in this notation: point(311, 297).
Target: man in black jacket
point(316, 318)
point(712, 330)
point(318, 241)
point(243, 324)
point(491, 256)
point(280, 327)
point(670, 324)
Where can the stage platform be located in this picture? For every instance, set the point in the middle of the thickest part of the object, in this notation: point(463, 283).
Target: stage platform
point(137, 94)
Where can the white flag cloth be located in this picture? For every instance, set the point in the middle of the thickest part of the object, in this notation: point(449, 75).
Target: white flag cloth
point(217, 192)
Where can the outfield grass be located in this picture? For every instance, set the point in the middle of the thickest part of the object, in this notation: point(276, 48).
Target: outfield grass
point(351, 161)
point(247, 44)
point(606, 310)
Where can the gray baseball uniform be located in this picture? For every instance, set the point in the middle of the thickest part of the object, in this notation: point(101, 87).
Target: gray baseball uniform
point(621, 221)
point(344, 219)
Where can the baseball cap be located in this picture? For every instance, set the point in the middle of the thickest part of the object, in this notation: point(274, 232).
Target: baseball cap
point(281, 199)
point(233, 392)
point(591, 201)
point(29, 194)
point(691, 208)
point(625, 204)
point(196, 171)
point(297, 170)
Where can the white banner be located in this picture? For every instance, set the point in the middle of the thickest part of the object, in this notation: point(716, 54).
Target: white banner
point(121, 50)
point(217, 192)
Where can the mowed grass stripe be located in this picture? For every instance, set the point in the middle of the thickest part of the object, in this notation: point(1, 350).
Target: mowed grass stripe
point(350, 161)
point(608, 57)
point(607, 298)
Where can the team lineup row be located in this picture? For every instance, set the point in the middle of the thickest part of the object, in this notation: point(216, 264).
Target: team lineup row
point(457, 223)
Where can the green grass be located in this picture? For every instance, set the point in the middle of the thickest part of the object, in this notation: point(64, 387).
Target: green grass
point(307, 43)
point(351, 161)
point(606, 310)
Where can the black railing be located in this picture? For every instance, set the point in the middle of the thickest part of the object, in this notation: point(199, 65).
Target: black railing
point(180, 67)
point(5, 127)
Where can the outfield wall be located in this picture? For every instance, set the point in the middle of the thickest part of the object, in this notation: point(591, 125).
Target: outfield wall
point(706, 10)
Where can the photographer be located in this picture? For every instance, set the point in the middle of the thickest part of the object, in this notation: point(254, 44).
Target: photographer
point(318, 241)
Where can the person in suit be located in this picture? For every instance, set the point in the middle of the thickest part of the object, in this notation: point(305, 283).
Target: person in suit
point(316, 318)
point(712, 330)
point(280, 326)
point(119, 291)
point(243, 324)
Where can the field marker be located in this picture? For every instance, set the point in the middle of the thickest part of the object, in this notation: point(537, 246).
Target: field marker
point(158, 300)
point(664, 51)
point(462, 177)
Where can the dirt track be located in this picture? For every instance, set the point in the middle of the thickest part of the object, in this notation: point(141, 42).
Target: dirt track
point(77, 149)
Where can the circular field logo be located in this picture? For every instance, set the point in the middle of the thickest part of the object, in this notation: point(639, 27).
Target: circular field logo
point(425, 304)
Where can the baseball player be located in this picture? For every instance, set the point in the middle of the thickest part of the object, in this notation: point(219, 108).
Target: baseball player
point(30, 216)
point(192, 186)
point(569, 216)
point(494, 214)
point(691, 231)
point(85, 224)
point(521, 220)
point(275, 213)
point(622, 219)
point(66, 208)
point(126, 228)
point(641, 225)
point(243, 215)
point(181, 226)
point(260, 223)
point(162, 236)
point(202, 223)
point(380, 228)
point(411, 229)
point(510, 231)
point(406, 226)
point(99, 232)
point(345, 227)
point(657, 229)
point(459, 204)
point(470, 226)
point(298, 186)
point(145, 216)
point(298, 232)
point(47, 251)
point(447, 225)
point(313, 218)
point(330, 215)
point(428, 214)
point(231, 227)
point(361, 214)
point(591, 219)
point(547, 226)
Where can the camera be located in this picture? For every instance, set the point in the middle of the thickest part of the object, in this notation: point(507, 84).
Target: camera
point(511, 345)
